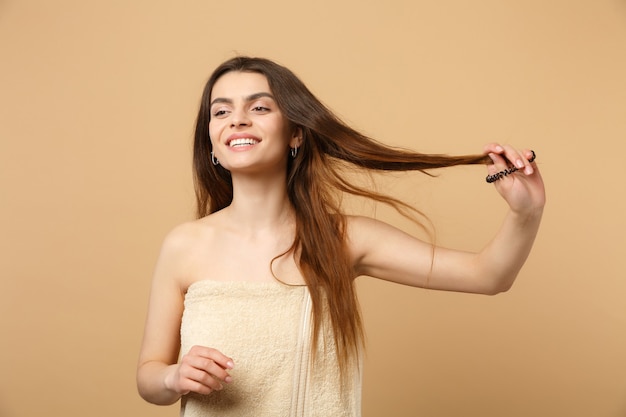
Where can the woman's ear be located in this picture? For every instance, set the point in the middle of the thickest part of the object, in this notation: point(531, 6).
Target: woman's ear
point(296, 138)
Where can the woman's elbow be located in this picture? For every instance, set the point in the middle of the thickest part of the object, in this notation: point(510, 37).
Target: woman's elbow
point(499, 287)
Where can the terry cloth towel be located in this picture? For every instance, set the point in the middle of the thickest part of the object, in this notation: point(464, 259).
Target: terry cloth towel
point(266, 329)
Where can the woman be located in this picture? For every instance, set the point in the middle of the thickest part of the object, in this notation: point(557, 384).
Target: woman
point(253, 309)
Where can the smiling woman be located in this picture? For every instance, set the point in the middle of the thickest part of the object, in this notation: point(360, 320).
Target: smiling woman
point(247, 125)
point(253, 309)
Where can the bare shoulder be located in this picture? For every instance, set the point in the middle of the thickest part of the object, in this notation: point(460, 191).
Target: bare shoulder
point(362, 232)
point(366, 228)
point(185, 250)
point(361, 227)
point(381, 250)
point(188, 235)
point(360, 220)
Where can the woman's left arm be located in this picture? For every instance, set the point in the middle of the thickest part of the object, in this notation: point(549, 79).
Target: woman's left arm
point(382, 251)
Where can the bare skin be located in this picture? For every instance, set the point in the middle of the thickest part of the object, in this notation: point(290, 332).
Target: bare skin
point(259, 224)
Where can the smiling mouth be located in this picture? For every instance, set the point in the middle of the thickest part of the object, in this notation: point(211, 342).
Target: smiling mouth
point(242, 142)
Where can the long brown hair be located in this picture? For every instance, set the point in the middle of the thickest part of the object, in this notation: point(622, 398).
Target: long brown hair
point(314, 182)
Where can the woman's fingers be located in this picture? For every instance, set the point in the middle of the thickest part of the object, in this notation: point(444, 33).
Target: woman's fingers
point(516, 177)
point(505, 157)
point(203, 370)
point(212, 361)
point(214, 355)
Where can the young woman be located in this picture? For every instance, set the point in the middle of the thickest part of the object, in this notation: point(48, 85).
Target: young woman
point(253, 309)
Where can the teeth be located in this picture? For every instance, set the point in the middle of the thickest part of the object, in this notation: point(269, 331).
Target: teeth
point(242, 142)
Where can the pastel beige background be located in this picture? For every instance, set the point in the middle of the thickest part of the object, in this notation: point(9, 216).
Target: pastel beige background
point(97, 104)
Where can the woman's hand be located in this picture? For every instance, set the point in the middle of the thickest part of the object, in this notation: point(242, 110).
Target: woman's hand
point(202, 370)
point(523, 190)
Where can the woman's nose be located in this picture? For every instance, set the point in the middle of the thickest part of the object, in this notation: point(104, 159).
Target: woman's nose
point(240, 118)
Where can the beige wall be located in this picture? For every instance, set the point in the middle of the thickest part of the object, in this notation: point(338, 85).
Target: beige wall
point(97, 102)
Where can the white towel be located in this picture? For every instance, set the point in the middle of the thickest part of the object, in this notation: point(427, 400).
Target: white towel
point(259, 325)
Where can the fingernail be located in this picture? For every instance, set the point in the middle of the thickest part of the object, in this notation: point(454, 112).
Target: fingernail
point(228, 379)
point(528, 170)
point(519, 163)
point(499, 148)
point(230, 364)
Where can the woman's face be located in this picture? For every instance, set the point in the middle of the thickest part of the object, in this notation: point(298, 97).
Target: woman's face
point(247, 129)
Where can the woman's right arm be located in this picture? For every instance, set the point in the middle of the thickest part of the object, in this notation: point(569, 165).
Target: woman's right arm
point(160, 379)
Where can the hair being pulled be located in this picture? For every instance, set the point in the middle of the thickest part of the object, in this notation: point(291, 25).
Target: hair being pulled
point(315, 182)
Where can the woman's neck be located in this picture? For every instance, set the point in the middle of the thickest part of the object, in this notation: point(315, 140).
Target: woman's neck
point(260, 203)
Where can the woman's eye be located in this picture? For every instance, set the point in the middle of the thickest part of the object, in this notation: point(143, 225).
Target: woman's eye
point(219, 113)
point(260, 109)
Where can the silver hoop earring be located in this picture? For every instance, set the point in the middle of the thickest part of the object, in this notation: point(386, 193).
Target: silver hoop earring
point(294, 152)
point(214, 159)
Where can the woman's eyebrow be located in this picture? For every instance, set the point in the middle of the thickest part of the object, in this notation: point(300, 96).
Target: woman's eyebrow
point(249, 98)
